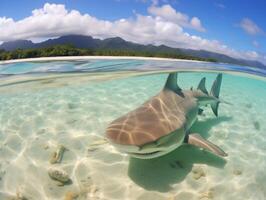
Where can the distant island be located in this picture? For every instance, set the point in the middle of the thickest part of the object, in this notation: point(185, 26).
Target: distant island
point(70, 50)
point(80, 45)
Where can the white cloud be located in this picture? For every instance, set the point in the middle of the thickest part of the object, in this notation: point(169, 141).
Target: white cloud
point(250, 27)
point(170, 14)
point(220, 5)
point(164, 26)
point(195, 22)
point(155, 2)
point(5, 21)
point(255, 44)
point(253, 54)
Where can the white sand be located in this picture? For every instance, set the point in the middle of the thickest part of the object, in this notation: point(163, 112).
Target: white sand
point(59, 58)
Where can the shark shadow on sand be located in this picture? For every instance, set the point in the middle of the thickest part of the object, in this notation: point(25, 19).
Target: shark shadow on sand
point(160, 173)
point(203, 127)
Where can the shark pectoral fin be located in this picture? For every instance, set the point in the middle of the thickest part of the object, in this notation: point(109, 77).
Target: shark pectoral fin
point(196, 140)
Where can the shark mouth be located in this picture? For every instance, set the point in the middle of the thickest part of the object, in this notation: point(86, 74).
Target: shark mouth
point(149, 153)
point(150, 150)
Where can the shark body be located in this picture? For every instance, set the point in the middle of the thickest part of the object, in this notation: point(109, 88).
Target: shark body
point(162, 123)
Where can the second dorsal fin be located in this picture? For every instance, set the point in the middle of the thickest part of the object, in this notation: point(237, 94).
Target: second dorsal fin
point(171, 83)
point(202, 86)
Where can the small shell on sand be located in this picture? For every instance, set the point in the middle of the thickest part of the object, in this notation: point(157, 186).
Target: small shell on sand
point(57, 156)
point(93, 192)
point(93, 189)
point(58, 174)
point(99, 142)
point(95, 145)
point(237, 172)
point(198, 172)
point(171, 198)
point(206, 195)
point(91, 149)
point(70, 196)
point(19, 196)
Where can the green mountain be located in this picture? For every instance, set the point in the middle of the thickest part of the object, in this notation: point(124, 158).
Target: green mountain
point(119, 44)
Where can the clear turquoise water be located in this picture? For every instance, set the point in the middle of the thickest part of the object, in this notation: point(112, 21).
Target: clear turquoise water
point(70, 103)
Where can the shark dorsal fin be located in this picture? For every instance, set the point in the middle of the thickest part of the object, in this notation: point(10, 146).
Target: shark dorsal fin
point(171, 84)
point(202, 86)
point(215, 91)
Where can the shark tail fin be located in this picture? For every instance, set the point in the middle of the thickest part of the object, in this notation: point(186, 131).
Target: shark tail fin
point(202, 86)
point(171, 83)
point(215, 91)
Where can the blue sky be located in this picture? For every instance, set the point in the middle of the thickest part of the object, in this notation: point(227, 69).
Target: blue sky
point(233, 27)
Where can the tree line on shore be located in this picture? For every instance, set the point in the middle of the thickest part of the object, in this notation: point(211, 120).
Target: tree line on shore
point(70, 50)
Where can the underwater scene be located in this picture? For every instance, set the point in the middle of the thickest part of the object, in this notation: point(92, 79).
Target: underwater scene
point(54, 116)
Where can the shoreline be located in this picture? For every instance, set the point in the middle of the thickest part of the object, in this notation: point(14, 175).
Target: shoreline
point(61, 58)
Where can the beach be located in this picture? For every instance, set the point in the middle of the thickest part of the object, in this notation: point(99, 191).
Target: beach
point(66, 58)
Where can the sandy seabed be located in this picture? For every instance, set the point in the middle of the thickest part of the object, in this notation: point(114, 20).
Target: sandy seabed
point(33, 125)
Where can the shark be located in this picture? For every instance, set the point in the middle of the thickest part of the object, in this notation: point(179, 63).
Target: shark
point(162, 123)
